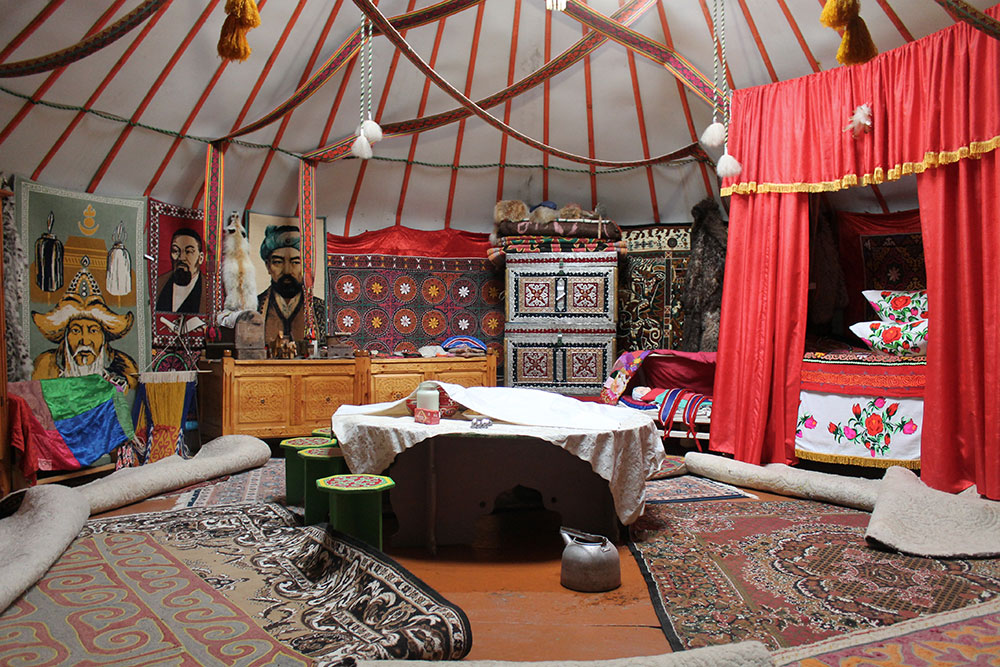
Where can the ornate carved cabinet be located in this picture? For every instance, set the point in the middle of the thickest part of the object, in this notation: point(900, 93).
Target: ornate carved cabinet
point(561, 320)
point(279, 398)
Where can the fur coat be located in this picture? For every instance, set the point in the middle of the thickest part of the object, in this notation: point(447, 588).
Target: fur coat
point(701, 299)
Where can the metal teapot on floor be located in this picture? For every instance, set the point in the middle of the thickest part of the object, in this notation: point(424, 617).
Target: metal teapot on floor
point(589, 562)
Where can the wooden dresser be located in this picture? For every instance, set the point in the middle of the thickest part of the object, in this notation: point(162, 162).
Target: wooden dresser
point(278, 398)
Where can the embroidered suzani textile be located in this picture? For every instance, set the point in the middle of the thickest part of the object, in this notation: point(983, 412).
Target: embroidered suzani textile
point(399, 289)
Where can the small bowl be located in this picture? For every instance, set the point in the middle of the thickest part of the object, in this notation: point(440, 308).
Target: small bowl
point(446, 406)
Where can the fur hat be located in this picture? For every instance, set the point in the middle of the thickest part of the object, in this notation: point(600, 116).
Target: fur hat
point(510, 209)
point(83, 300)
point(279, 236)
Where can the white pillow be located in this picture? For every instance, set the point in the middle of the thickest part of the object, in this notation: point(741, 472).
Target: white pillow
point(898, 305)
point(904, 339)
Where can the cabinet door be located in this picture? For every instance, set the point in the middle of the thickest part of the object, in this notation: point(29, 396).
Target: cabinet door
point(262, 401)
point(468, 378)
point(321, 396)
point(394, 386)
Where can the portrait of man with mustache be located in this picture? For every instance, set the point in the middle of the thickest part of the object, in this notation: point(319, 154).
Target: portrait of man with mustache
point(180, 291)
point(282, 303)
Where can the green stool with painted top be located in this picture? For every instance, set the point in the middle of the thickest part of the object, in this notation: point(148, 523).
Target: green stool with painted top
point(295, 473)
point(319, 462)
point(356, 504)
point(324, 432)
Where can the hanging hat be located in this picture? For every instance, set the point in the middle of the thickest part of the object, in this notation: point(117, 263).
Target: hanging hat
point(279, 236)
point(83, 299)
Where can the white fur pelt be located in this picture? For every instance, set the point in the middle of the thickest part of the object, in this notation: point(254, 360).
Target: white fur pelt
point(32, 538)
point(238, 276)
point(15, 288)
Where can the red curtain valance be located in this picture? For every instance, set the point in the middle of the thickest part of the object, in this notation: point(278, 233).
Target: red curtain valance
point(407, 242)
point(934, 101)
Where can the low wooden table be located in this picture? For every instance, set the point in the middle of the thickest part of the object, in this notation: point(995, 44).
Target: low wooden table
point(449, 474)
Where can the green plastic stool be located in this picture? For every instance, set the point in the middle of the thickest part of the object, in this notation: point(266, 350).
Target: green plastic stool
point(324, 432)
point(356, 504)
point(319, 462)
point(295, 472)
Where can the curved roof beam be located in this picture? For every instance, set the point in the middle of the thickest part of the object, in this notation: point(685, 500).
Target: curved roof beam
point(627, 15)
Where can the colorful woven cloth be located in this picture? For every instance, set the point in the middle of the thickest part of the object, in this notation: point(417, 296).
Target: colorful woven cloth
point(81, 418)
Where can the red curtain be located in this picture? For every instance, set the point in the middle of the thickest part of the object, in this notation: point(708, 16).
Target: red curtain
point(404, 241)
point(763, 327)
point(935, 101)
point(960, 444)
point(851, 227)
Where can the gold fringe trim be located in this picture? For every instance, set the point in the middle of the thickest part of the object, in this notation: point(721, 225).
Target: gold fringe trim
point(974, 150)
point(865, 461)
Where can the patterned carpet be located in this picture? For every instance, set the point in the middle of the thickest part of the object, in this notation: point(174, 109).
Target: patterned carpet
point(264, 484)
point(233, 584)
point(689, 488)
point(787, 573)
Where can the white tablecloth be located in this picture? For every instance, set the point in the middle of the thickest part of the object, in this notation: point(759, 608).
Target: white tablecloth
point(620, 444)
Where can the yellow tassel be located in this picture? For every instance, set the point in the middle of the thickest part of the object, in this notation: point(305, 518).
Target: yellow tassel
point(233, 41)
point(857, 46)
point(837, 13)
point(245, 11)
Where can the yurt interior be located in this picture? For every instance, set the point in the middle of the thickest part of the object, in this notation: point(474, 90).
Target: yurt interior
point(567, 332)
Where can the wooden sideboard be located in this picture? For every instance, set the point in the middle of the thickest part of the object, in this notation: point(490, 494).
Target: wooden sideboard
point(279, 398)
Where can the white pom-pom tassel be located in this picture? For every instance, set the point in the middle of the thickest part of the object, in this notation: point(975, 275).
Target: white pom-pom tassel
point(371, 130)
point(714, 135)
point(361, 148)
point(728, 166)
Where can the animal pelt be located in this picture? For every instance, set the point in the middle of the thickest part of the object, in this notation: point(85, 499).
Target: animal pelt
point(570, 212)
point(238, 276)
point(543, 214)
point(701, 299)
point(510, 209)
point(15, 265)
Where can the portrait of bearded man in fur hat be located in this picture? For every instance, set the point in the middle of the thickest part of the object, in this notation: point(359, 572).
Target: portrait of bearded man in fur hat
point(281, 303)
point(83, 326)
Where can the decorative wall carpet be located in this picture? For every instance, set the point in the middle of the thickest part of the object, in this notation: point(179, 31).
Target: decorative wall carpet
point(966, 636)
point(894, 261)
point(264, 484)
point(787, 573)
point(400, 304)
point(652, 278)
point(86, 261)
point(239, 584)
point(688, 488)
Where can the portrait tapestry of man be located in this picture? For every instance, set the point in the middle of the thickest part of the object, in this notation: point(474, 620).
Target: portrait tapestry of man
point(83, 327)
point(280, 297)
point(88, 295)
point(181, 289)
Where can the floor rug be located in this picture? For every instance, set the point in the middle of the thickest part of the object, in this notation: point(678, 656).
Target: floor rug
point(264, 484)
point(966, 636)
point(688, 488)
point(787, 573)
point(233, 584)
point(672, 466)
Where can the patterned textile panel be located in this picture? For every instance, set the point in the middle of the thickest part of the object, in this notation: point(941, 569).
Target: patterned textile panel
point(391, 303)
point(649, 289)
point(861, 408)
point(894, 261)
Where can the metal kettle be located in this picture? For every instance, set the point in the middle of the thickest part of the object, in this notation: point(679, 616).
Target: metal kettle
point(589, 562)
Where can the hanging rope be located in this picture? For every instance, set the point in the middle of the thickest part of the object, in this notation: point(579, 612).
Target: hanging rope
point(368, 131)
